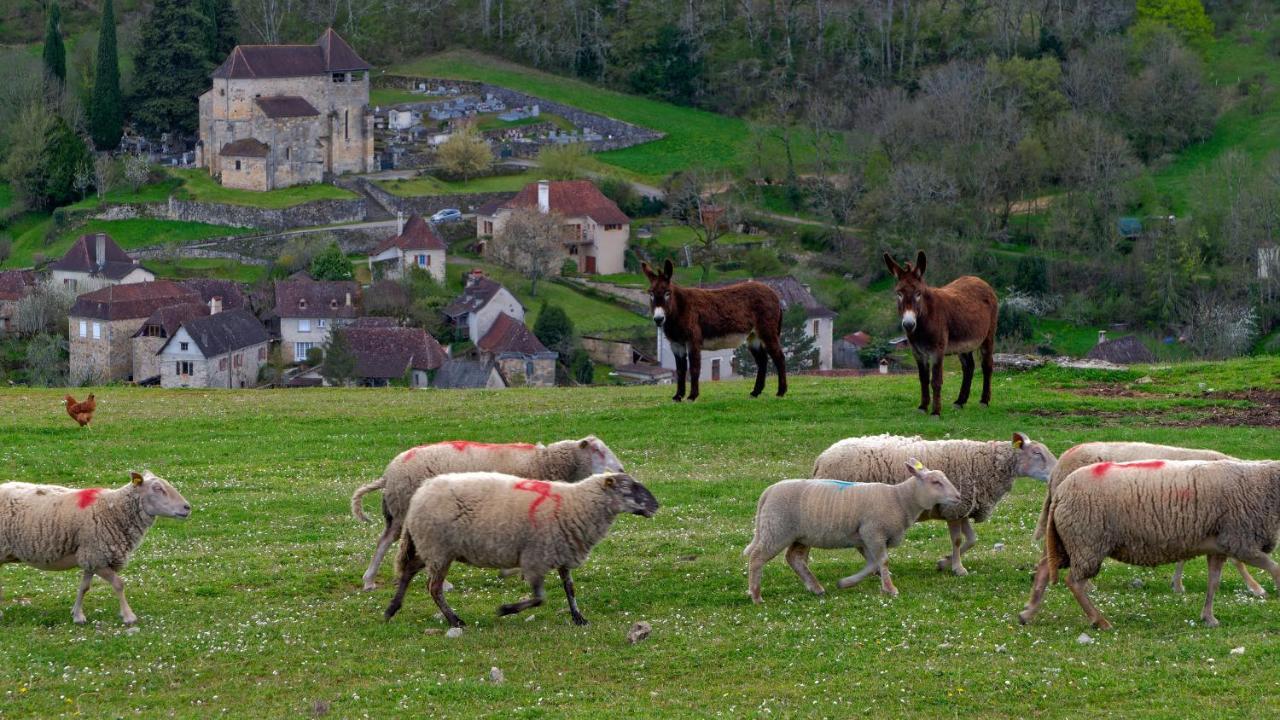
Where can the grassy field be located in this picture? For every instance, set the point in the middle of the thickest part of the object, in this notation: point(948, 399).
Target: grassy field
point(429, 185)
point(252, 607)
point(197, 185)
point(129, 234)
point(224, 268)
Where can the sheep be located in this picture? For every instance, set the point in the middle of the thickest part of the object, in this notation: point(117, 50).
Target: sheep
point(567, 461)
point(50, 527)
point(502, 521)
point(983, 472)
point(1094, 452)
point(1153, 512)
point(803, 514)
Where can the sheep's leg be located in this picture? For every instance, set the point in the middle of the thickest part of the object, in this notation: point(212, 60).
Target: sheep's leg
point(988, 366)
point(437, 593)
point(1259, 559)
point(798, 559)
point(961, 533)
point(886, 577)
point(1254, 588)
point(77, 610)
point(759, 555)
point(695, 370)
point(409, 565)
point(1215, 576)
point(389, 535)
point(761, 358)
point(1037, 592)
point(1177, 578)
point(117, 585)
point(539, 594)
point(567, 580)
point(966, 378)
point(1078, 581)
point(874, 562)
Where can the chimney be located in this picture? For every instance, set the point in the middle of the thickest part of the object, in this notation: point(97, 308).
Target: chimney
point(1102, 336)
point(101, 250)
point(215, 305)
point(348, 299)
point(476, 274)
point(399, 223)
point(544, 197)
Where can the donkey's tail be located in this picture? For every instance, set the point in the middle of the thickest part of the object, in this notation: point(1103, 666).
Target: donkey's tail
point(360, 492)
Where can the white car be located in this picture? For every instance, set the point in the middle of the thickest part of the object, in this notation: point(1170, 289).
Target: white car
point(447, 215)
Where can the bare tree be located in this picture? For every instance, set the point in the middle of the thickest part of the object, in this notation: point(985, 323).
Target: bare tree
point(465, 154)
point(265, 17)
point(83, 178)
point(44, 309)
point(136, 171)
point(104, 173)
point(532, 243)
point(709, 211)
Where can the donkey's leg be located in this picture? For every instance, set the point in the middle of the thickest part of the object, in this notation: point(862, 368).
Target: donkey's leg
point(682, 365)
point(937, 383)
point(923, 369)
point(773, 344)
point(761, 358)
point(695, 369)
point(988, 364)
point(966, 377)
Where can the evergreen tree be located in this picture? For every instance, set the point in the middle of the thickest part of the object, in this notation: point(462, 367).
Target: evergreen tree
point(106, 108)
point(554, 329)
point(55, 54)
point(64, 154)
point(220, 31)
point(339, 362)
point(331, 264)
point(798, 346)
point(172, 68)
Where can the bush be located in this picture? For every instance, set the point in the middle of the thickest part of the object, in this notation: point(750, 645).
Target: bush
point(1014, 323)
point(581, 367)
point(816, 240)
point(569, 267)
point(1031, 275)
point(6, 248)
point(315, 356)
point(562, 162)
point(331, 264)
point(761, 262)
point(621, 193)
point(554, 329)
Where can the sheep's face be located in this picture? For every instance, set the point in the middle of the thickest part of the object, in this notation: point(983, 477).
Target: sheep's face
point(1034, 459)
point(159, 498)
point(600, 457)
point(935, 487)
point(628, 496)
point(661, 298)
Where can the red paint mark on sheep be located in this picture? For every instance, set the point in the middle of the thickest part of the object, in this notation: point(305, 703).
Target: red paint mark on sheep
point(1144, 464)
point(1101, 469)
point(543, 491)
point(86, 497)
point(461, 445)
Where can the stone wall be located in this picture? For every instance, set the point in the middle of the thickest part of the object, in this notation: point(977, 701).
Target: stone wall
point(430, 204)
point(262, 249)
point(318, 212)
point(608, 352)
point(514, 369)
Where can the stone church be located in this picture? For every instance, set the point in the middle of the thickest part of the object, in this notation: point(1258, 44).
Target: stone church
point(281, 115)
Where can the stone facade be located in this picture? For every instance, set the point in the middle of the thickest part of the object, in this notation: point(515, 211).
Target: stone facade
point(187, 367)
point(245, 173)
point(101, 350)
point(146, 364)
point(526, 371)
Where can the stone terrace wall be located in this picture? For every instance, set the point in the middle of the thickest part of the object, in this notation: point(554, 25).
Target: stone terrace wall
point(428, 205)
point(319, 212)
point(262, 249)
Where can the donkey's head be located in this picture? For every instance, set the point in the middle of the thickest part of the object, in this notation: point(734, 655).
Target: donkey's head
point(661, 299)
point(910, 290)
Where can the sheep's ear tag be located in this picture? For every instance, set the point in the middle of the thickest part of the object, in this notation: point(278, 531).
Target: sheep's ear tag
point(137, 479)
point(918, 465)
point(1017, 440)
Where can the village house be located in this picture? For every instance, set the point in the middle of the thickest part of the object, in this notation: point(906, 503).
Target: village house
point(518, 354)
point(846, 352)
point(818, 318)
point(224, 349)
point(596, 231)
point(228, 293)
point(309, 309)
point(155, 332)
point(482, 301)
point(468, 374)
point(716, 364)
point(14, 285)
point(388, 354)
point(95, 261)
point(415, 244)
point(102, 324)
point(281, 115)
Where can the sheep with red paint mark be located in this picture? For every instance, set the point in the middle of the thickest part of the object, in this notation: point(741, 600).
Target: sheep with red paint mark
point(564, 461)
point(1128, 452)
point(1152, 512)
point(51, 527)
point(502, 521)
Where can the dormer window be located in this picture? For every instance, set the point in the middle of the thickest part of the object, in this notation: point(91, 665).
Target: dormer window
point(339, 77)
point(333, 304)
point(302, 303)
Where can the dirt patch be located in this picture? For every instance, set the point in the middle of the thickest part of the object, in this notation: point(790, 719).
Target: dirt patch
point(1248, 408)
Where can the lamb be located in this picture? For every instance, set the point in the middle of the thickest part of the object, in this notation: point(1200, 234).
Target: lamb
point(803, 514)
point(1094, 452)
point(566, 461)
point(983, 472)
point(501, 521)
point(50, 527)
point(1153, 512)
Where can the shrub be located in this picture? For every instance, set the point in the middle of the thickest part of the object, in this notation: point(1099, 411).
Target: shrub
point(1031, 275)
point(762, 262)
point(581, 367)
point(1014, 322)
point(315, 356)
point(331, 264)
point(569, 267)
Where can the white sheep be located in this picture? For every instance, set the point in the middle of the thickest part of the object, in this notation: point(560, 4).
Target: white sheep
point(565, 461)
point(50, 527)
point(502, 521)
point(872, 517)
point(1096, 452)
point(982, 471)
point(1153, 512)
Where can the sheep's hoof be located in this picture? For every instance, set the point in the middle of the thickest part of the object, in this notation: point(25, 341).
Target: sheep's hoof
point(1258, 592)
point(958, 405)
point(132, 620)
point(1024, 617)
point(922, 410)
point(579, 620)
point(1177, 587)
point(819, 591)
point(676, 398)
point(1102, 624)
point(1210, 621)
point(891, 593)
point(984, 403)
point(369, 585)
point(79, 620)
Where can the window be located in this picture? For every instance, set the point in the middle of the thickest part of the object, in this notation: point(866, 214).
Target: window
point(424, 260)
point(528, 370)
point(612, 227)
point(488, 227)
point(222, 364)
point(573, 249)
point(222, 92)
point(184, 367)
point(333, 304)
point(237, 164)
point(288, 152)
point(815, 328)
point(302, 303)
point(339, 77)
point(346, 124)
point(69, 282)
point(183, 346)
point(239, 361)
point(300, 351)
point(320, 323)
point(262, 354)
point(304, 325)
point(97, 331)
point(84, 329)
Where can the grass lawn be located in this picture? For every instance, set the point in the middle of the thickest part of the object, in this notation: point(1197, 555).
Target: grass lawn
point(156, 192)
point(424, 185)
point(198, 185)
point(6, 196)
point(224, 268)
point(128, 234)
point(395, 96)
point(252, 607)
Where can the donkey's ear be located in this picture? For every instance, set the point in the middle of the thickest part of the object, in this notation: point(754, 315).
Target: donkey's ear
point(648, 271)
point(894, 269)
point(920, 264)
point(668, 270)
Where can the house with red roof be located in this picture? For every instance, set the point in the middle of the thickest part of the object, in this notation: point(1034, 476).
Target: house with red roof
point(94, 261)
point(518, 354)
point(14, 285)
point(596, 231)
point(415, 244)
point(103, 323)
point(281, 115)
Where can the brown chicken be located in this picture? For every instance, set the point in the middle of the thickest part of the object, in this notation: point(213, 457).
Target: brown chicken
point(81, 412)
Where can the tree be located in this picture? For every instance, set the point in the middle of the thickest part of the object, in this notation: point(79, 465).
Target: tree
point(106, 107)
point(465, 154)
point(554, 329)
point(64, 155)
point(562, 162)
point(171, 68)
point(223, 24)
point(689, 203)
point(55, 54)
point(136, 171)
point(339, 362)
point(331, 264)
point(104, 174)
point(798, 345)
point(532, 243)
point(581, 367)
point(83, 178)
point(46, 361)
point(44, 309)
point(1185, 17)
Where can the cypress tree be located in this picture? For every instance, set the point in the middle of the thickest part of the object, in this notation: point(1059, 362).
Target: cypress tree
point(55, 54)
point(221, 32)
point(172, 68)
point(106, 107)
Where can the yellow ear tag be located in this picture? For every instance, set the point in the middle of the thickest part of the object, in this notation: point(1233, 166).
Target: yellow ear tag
point(919, 465)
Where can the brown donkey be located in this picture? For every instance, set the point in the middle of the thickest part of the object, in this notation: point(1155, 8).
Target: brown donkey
point(954, 319)
point(693, 319)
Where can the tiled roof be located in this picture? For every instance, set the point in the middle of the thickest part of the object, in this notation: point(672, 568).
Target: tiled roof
point(317, 299)
point(857, 339)
point(417, 235)
point(791, 292)
point(509, 335)
point(457, 374)
point(224, 332)
point(572, 198)
point(15, 284)
point(329, 54)
point(477, 295)
point(229, 290)
point(387, 352)
point(135, 300)
point(82, 256)
point(286, 106)
point(170, 317)
point(371, 321)
point(246, 147)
